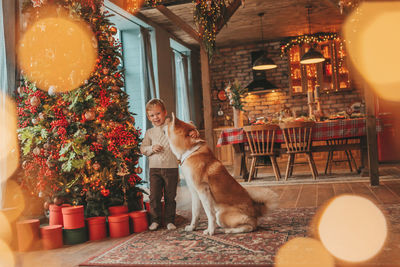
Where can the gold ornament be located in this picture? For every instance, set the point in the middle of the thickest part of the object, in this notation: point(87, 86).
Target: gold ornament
point(113, 30)
point(35, 101)
point(36, 151)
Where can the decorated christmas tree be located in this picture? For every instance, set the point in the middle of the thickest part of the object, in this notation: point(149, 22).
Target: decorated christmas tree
point(81, 147)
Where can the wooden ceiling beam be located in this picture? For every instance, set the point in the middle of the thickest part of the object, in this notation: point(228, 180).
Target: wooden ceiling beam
point(230, 10)
point(169, 3)
point(179, 22)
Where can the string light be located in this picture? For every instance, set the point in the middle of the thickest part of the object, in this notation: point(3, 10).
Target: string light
point(308, 39)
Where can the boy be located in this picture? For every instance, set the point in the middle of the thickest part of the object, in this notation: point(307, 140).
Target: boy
point(164, 174)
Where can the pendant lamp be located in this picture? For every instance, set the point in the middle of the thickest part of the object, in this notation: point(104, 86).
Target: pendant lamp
point(263, 62)
point(312, 56)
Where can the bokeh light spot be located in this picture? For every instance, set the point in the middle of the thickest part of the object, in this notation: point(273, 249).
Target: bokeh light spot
point(302, 251)
point(58, 52)
point(352, 228)
point(373, 46)
point(14, 199)
point(5, 229)
point(7, 258)
point(9, 156)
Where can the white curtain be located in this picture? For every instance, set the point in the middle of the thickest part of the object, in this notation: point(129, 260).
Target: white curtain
point(148, 81)
point(147, 65)
point(3, 94)
point(182, 86)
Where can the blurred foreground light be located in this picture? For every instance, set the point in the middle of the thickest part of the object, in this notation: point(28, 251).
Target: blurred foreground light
point(14, 198)
point(57, 51)
point(372, 43)
point(302, 251)
point(352, 228)
point(9, 149)
point(5, 229)
point(7, 258)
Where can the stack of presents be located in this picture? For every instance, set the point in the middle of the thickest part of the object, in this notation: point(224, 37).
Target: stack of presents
point(68, 226)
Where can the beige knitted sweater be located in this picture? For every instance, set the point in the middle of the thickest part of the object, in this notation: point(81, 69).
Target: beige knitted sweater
point(163, 159)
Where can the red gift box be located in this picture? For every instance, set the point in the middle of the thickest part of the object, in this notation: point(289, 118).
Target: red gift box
point(139, 221)
point(73, 217)
point(118, 225)
point(52, 236)
point(97, 227)
point(116, 210)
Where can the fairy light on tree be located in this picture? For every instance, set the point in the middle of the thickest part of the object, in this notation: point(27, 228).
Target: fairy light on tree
point(81, 147)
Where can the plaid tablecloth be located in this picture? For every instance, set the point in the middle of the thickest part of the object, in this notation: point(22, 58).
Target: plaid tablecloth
point(322, 131)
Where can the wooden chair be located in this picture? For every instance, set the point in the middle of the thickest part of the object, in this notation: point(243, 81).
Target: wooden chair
point(297, 135)
point(332, 143)
point(261, 140)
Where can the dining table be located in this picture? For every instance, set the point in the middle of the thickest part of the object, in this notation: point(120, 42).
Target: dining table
point(351, 128)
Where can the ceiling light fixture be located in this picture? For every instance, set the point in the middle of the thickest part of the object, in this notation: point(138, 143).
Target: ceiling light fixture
point(312, 56)
point(263, 62)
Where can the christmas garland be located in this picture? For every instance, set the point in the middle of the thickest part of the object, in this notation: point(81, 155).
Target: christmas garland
point(206, 15)
point(307, 39)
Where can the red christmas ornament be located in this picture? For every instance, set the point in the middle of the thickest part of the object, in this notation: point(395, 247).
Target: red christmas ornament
point(96, 166)
point(90, 115)
point(138, 170)
point(116, 62)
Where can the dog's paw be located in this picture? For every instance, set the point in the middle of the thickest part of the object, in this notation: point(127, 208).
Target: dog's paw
point(190, 228)
point(209, 231)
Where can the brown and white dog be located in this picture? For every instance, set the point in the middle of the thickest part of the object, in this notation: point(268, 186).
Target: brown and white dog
point(225, 201)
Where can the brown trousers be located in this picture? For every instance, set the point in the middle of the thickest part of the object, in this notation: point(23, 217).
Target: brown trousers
point(163, 180)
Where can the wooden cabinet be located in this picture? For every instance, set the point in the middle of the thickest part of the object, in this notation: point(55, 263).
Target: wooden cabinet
point(331, 75)
point(223, 153)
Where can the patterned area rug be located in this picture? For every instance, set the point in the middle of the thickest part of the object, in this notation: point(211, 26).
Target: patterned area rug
point(181, 248)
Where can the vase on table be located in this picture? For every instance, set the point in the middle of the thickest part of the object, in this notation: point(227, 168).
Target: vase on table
point(237, 118)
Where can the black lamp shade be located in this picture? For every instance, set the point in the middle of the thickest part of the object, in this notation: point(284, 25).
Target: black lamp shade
point(264, 63)
point(312, 56)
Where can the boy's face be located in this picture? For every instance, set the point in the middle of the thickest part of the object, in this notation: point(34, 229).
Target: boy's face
point(156, 115)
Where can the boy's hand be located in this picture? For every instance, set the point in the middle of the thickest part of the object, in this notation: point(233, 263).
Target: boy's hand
point(194, 133)
point(157, 148)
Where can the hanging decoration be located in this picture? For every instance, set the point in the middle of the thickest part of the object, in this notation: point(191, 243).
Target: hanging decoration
point(307, 39)
point(206, 15)
point(133, 6)
point(37, 3)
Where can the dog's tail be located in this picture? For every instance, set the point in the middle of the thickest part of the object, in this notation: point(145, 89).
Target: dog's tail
point(265, 199)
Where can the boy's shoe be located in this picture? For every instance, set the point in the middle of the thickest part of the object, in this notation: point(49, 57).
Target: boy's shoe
point(153, 226)
point(171, 226)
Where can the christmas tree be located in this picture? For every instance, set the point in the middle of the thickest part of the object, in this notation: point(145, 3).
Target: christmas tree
point(81, 147)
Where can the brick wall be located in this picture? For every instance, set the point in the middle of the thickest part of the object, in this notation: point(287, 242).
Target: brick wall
point(235, 62)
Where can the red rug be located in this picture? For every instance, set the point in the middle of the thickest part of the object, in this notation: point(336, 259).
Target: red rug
point(181, 248)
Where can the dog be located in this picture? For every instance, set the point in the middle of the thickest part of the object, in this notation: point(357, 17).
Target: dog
point(225, 202)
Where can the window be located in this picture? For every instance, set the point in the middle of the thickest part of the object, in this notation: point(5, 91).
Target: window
point(131, 33)
point(183, 81)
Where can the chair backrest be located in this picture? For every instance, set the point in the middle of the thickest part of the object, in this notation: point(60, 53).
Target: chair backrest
point(297, 135)
point(261, 138)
